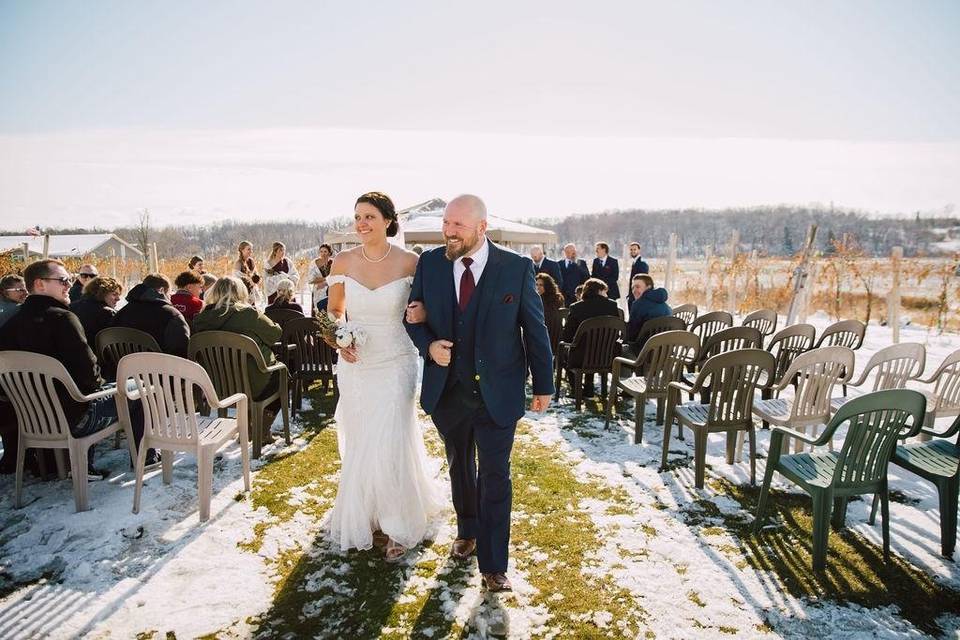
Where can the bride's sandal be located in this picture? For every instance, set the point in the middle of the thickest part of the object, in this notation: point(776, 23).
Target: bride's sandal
point(395, 552)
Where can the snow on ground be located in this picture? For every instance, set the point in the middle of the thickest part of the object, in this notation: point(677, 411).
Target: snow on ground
point(109, 573)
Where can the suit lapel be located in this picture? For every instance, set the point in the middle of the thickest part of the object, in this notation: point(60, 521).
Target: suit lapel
point(491, 274)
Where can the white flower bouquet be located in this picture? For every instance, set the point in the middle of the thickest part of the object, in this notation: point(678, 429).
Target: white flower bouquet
point(343, 333)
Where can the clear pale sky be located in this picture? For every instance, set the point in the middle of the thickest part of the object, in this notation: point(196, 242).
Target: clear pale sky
point(260, 109)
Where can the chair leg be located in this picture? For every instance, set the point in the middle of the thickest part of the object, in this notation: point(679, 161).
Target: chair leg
point(753, 455)
point(839, 519)
point(611, 405)
point(873, 509)
point(661, 405)
point(78, 468)
point(885, 514)
point(556, 386)
point(18, 483)
point(639, 415)
point(166, 464)
point(285, 408)
point(138, 481)
point(765, 394)
point(822, 503)
point(204, 481)
point(731, 445)
point(578, 391)
point(61, 465)
point(667, 423)
point(256, 420)
point(948, 495)
point(764, 497)
point(700, 456)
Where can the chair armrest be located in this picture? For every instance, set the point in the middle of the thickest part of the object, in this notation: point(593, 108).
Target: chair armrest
point(821, 440)
point(275, 367)
point(625, 362)
point(682, 387)
point(229, 401)
point(951, 431)
point(106, 393)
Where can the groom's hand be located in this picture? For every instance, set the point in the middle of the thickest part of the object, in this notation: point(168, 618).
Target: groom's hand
point(540, 403)
point(440, 352)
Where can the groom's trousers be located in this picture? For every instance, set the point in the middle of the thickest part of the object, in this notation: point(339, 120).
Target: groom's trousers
point(478, 454)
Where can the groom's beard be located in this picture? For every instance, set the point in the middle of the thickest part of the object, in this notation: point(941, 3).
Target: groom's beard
point(458, 247)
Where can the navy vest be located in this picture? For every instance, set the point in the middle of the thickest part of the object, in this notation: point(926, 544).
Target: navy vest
point(463, 373)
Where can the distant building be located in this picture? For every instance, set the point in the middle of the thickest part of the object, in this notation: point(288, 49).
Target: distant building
point(79, 245)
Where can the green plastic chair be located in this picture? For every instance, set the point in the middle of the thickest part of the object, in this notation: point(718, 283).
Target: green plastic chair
point(875, 422)
point(939, 462)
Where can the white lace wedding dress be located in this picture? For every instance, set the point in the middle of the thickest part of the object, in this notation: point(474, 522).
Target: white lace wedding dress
point(387, 481)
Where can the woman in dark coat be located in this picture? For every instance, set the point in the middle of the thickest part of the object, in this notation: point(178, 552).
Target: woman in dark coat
point(97, 307)
point(552, 303)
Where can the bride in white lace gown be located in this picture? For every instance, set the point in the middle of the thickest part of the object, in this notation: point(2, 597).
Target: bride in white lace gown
point(387, 493)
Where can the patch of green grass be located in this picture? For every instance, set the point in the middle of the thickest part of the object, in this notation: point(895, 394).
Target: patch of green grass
point(855, 570)
point(568, 537)
point(695, 598)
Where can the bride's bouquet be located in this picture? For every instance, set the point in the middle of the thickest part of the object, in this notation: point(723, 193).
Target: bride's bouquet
point(341, 332)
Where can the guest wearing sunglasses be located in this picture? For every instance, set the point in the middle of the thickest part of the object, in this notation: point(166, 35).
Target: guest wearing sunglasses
point(44, 324)
point(13, 292)
point(87, 273)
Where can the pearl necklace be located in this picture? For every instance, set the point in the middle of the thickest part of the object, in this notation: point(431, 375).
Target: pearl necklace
point(380, 259)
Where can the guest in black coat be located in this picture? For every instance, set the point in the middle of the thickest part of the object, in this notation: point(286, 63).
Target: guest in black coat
point(594, 304)
point(543, 264)
point(96, 308)
point(574, 272)
point(637, 267)
point(606, 268)
point(45, 325)
point(148, 309)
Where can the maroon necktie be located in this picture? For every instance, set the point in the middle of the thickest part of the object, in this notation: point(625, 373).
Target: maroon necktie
point(467, 284)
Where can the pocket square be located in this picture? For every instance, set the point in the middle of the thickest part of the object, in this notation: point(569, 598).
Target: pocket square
point(507, 299)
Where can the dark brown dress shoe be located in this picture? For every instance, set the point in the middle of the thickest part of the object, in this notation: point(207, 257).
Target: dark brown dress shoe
point(463, 548)
point(496, 582)
point(380, 539)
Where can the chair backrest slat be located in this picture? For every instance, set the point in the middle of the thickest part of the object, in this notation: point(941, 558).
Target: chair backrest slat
point(687, 313)
point(226, 357)
point(790, 342)
point(764, 320)
point(733, 378)
point(666, 354)
point(600, 339)
point(710, 323)
point(31, 382)
point(817, 372)
point(846, 333)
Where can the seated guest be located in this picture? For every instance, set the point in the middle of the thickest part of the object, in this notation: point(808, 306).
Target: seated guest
point(543, 264)
point(96, 308)
point(245, 266)
point(606, 268)
point(148, 309)
point(228, 309)
point(196, 265)
point(44, 324)
point(578, 293)
point(277, 267)
point(187, 298)
point(574, 272)
point(552, 303)
point(284, 297)
point(594, 304)
point(636, 268)
point(13, 292)
point(649, 302)
point(87, 273)
point(208, 281)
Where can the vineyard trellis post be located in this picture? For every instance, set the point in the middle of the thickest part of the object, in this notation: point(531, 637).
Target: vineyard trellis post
point(732, 280)
point(26, 251)
point(113, 262)
point(671, 262)
point(154, 262)
point(801, 273)
point(709, 283)
point(893, 301)
point(46, 246)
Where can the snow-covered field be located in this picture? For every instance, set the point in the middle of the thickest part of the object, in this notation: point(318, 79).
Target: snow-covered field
point(661, 543)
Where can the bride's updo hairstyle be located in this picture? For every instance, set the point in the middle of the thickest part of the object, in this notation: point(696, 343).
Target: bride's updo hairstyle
point(384, 205)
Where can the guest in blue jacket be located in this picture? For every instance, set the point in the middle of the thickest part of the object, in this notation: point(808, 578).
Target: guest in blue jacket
point(649, 302)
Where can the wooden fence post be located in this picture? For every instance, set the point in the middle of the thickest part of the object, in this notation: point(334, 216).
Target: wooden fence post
point(154, 262)
point(46, 246)
point(25, 246)
point(893, 300)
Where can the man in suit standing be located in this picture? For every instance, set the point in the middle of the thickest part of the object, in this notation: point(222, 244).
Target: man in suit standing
point(543, 264)
point(638, 267)
point(484, 329)
point(574, 272)
point(606, 268)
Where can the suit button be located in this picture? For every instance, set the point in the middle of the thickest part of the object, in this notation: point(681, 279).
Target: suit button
point(476, 377)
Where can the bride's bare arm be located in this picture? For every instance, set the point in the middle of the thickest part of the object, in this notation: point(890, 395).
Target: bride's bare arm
point(416, 311)
point(336, 298)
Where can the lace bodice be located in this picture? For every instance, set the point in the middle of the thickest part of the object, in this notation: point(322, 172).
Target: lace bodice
point(380, 312)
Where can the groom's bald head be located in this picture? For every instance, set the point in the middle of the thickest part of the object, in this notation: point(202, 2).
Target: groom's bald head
point(464, 225)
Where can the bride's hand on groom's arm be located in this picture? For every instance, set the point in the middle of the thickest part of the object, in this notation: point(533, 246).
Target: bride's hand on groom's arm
point(440, 352)
point(416, 312)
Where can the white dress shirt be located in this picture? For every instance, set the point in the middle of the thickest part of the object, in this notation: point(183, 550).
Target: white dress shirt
point(479, 262)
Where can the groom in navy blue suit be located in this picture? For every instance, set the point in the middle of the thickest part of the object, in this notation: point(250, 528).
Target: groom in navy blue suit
point(484, 328)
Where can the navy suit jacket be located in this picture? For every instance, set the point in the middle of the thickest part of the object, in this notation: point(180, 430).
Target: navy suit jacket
point(638, 266)
point(573, 276)
point(609, 273)
point(510, 333)
point(552, 269)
